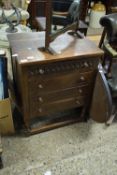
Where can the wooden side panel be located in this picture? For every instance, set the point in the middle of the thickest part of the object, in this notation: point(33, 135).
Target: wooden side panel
point(101, 106)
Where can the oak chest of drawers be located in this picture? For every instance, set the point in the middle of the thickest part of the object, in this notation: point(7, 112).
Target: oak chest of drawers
point(47, 84)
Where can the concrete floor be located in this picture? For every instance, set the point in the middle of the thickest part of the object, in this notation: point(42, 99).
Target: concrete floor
point(78, 149)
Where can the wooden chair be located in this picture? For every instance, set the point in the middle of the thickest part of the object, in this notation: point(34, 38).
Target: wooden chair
point(64, 18)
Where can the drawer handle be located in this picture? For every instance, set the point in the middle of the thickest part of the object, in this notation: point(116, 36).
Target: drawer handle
point(82, 78)
point(78, 102)
point(40, 86)
point(80, 91)
point(40, 110)
point(41, 71)
point(86, 64)
point(40, 99)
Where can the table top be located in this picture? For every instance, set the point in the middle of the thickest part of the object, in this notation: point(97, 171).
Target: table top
point(27, 48)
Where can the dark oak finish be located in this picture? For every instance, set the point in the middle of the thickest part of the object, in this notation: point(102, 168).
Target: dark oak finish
point(46, 84)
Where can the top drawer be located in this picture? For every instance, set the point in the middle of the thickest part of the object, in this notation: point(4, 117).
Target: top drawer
point(61, 67)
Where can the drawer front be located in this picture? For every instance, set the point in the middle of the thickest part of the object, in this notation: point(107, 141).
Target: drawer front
point(51, 108)
point(59, 86)
point(42, 98)
point(60, 67)
point(55, 83)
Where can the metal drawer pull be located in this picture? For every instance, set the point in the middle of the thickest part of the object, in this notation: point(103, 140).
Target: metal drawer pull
point(86, 64)
point(40, 99)
point(40, 110)
point(40, 86)
point(80, 90)
point(82, 78)
point(78, 102)
point(41, 71)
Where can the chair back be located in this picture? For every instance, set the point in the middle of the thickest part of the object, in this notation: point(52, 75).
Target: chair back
point(61, 5)
point(74, 11)
point(109, 22)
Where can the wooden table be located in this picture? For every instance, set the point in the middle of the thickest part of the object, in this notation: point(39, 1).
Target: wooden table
point(48, 85)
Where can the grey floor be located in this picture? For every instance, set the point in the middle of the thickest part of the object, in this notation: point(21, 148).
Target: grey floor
point(78, 149)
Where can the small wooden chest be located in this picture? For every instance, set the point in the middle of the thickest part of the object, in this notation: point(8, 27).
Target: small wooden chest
point(46, 84)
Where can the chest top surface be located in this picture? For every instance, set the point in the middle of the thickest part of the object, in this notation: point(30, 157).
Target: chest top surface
point(27, 48)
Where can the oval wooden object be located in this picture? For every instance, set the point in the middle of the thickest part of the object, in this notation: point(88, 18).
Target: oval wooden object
point(101, 107)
